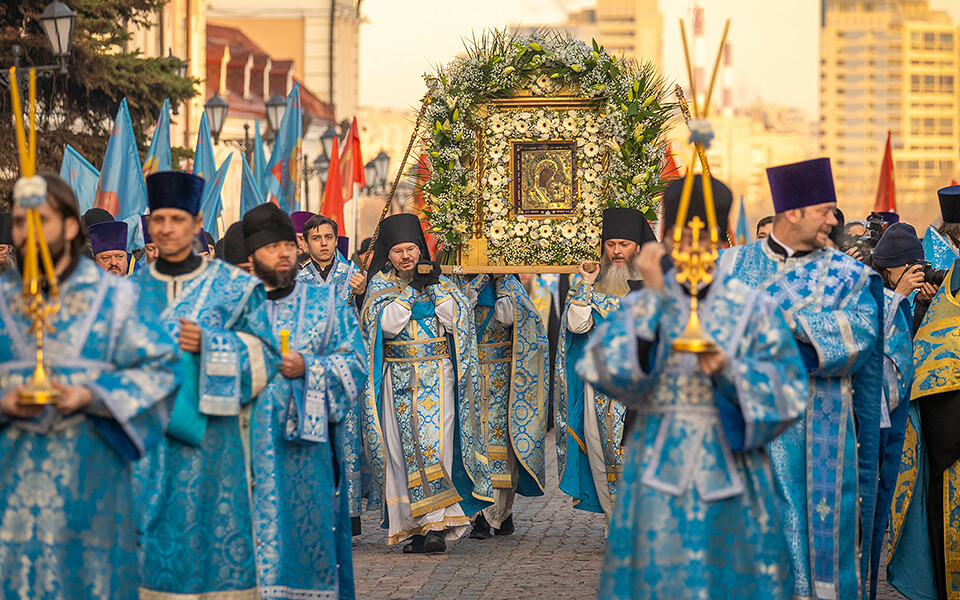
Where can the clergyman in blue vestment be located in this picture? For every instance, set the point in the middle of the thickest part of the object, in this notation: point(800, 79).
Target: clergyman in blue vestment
point(67, 529)
point(194, 488)
point(827, 464)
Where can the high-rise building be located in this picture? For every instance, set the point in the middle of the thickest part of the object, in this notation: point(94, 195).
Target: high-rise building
point(892, 66)
point(631, 28)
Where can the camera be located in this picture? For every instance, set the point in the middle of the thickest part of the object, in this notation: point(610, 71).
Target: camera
point(866, 243)
point(930, 275)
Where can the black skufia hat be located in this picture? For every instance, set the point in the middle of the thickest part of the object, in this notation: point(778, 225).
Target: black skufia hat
point(266, 224)
point(626, 224)
point(231, 247)
point(722, 201)
point(404, 228)
point(950, 203)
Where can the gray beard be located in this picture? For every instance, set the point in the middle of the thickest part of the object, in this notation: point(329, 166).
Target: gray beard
point(404, 278)
point(613, 278)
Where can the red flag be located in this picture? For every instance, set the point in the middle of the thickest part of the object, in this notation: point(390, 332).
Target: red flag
point(423, 174)
point(669, 170)
point(332, 197)
point(351, 163)
point(885, 188)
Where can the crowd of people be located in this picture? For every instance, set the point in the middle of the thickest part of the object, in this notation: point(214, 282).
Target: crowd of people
point(227, 409)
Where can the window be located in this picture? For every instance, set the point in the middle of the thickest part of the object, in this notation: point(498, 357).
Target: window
point(946, 42)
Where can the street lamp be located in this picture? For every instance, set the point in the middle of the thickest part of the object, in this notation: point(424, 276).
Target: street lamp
point(216, 108)
point(275, 107)
point(381, 162)
point(182, 66)
point(326, 139)
point(57, 21)
point(370, 174)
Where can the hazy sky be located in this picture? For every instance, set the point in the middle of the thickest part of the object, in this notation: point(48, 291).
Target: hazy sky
point(775, 43)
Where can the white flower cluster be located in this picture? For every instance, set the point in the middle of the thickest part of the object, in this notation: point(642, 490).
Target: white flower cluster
point(516, 239)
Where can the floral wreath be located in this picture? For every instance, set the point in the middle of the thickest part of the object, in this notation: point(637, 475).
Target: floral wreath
point(620, 144)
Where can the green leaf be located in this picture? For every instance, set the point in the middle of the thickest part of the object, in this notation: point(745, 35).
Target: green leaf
point(456, 114)
point(632, 109)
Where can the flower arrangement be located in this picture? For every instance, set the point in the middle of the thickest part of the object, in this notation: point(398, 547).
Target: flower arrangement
point(620, 142)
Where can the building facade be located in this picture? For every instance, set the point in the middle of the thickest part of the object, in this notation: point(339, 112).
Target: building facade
point(321, 37)
point(890, 66)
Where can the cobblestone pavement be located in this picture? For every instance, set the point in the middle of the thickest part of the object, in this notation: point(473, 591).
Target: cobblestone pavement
point(555, 553)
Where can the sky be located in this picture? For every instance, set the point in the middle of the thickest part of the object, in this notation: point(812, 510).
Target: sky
point(775, 44)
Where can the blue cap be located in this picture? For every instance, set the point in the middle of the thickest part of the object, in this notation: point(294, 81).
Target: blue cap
point(145, 225)
point(107, 236)
point(801, 184)
point(889, 217)
point(175, 189)
point(950, 203)
point(899, 246)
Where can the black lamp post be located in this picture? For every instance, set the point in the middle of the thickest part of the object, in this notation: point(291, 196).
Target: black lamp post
point(182, 66)
point(216, 108)
point(381, 163)
point(57, 22)
point(275, 107)
point(326, 140)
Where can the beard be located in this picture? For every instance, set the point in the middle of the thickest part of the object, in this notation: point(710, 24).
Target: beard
point(272, 277)
point(613, 278)
point(57, 247)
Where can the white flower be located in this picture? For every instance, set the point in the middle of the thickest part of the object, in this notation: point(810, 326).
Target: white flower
point(591, 149)
point(593, 240)
point(521, 127)
point(569, 124)
point(543, 125)
point(460, 228)
point(521, 115)
point(555, 122)
point(589, 175)
point(521, 229)
point(545, 230)
point(495, 206)
point(568, 230)
point(592, 127)
point(496, 124)
point(593, 232)
point(494, 179)
point(497, 232)
point(589, 203)
point(544, 82)
point(495, 153)
point(544, 243)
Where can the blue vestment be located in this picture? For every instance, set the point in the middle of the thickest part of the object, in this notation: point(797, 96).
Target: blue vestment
point(194, 499)
point(67, 529)
point(827, 464)
point(339, 276)
point(697, 511)
point(416, 377)
point(301, 516)
point(579, 406)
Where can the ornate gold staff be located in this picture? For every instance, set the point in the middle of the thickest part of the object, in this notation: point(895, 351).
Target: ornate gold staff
point(695, 264)
point(29, 193)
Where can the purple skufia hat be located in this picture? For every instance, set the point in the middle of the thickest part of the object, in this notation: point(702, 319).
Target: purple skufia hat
point(300, 218)
point(145, 226)
point(889, 217)
point(343, 246)
point(107, 236)
point(202, 238)
point(802, 184)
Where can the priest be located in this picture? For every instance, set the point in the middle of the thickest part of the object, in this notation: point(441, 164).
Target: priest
point(421, 419)
point(827, 464)
point(589, 424)
point(301, 446)
point(514, 372)
point(195, 489)
point(67, 528)
point(108, 243)
point(697, 514)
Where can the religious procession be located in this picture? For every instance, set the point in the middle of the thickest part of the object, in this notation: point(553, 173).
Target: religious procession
point(199, 403)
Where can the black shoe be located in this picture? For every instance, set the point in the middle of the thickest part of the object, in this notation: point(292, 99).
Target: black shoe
point(506, 528)
point(415, 546)
point(434, 542)
point(481, 529)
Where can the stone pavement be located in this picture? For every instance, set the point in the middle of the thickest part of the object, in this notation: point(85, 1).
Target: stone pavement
point(555, 553)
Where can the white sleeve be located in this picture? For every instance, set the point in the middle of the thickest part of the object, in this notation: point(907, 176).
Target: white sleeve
point(503, 311)
point(444, 312)
point(579, 318)
point(393, 319)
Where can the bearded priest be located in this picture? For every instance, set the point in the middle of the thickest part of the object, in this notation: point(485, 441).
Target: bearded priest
point(421, 418)
point(590, 424)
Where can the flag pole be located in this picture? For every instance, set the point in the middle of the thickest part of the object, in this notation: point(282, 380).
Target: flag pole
point(396, 180)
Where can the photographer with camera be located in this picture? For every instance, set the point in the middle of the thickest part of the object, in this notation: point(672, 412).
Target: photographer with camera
point(898, 257)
